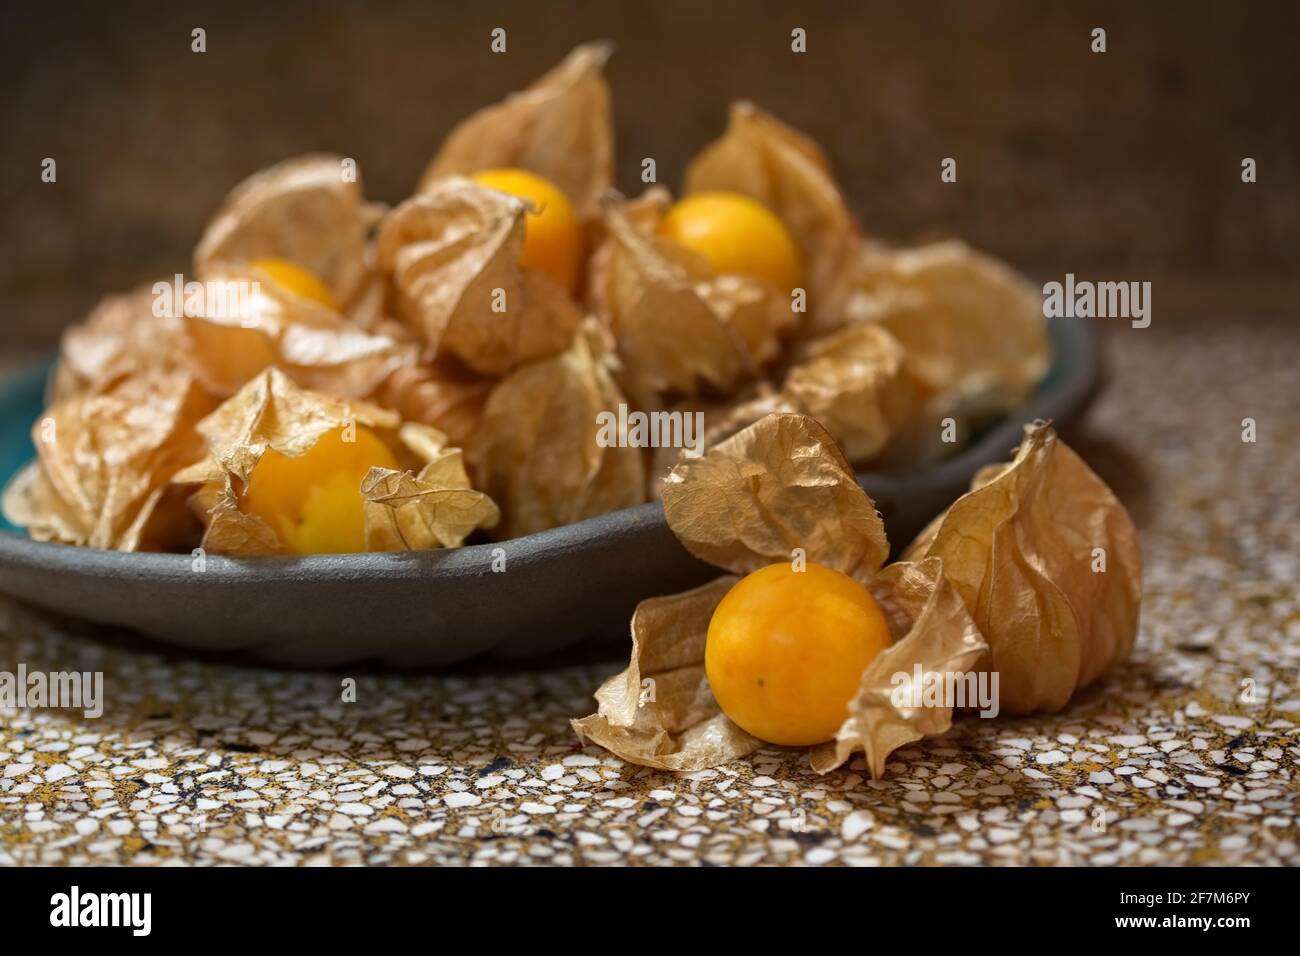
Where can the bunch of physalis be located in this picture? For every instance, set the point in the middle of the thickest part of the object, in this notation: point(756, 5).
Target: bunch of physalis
point(506, 305)
point(821, 644)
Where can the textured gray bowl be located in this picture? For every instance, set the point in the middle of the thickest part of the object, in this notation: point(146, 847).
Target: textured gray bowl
point(427, 609)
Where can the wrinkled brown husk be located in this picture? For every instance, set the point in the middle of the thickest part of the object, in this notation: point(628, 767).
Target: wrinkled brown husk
point(971, 328)
point(436, 507)
point(679, 328)
point(536, 452)
point(1019, 549)
point(448, 251)
point(660, 712)
point(303, 210)
point(448, 398)
point(767, 160)
point(121, 336)
point(931, 627)
point(316, 347)
point(105, 458)
point(852, 381)
point(778, 485)
point(720, 421)
point(561, 128)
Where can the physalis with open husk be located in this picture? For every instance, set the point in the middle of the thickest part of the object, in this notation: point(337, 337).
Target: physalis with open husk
point(289, 471)
point(821, 644)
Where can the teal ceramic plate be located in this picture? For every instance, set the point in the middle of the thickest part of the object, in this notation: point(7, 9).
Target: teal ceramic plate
point(429, 609)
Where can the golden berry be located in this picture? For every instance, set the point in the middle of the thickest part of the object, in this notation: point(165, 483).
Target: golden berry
point(786, 650)
point(553, 240)
point(736, 235)
point(294, 278)
point(314, 501)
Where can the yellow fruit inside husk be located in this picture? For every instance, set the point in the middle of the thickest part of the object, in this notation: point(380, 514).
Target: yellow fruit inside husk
point(737, 235)
point(786, 649)
point(553, 239)
point(314, 501)
point(294, 278)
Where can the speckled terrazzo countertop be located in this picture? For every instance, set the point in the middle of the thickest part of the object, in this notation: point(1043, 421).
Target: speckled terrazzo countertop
point(1165, 762)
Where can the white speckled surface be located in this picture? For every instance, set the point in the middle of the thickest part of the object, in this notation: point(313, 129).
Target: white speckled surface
point(204, 762)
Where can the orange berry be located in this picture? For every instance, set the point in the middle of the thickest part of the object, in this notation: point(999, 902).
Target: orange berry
point(786, 650)
point(314, 501)
point(294, 278)
point(737, 235)
point(553, 240)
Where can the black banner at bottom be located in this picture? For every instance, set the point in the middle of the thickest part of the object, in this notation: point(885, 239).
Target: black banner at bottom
point(345, 906)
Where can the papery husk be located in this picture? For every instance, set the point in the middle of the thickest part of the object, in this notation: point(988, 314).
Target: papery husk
point(447, 251)
point(315, 346)
point(437, 508)
point(272, 413)
point(777, 485)
point(680, 329)
point(444, 396)
point(972, 329)
point(763, 158)
point(561, 128)
point(852, 381)
point(1019, 550)
point(931, 627)
point(303, 210)
point(536, 452)
point(721, 421)
point(121, 336)
point(105, 457)
point(659, 712)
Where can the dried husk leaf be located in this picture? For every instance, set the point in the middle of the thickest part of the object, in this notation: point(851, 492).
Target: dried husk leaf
point(721, 421)
point(30, 502)
point(271, 412)
point(105, 457)
point(453, 257)
point(316, 347)
point(561, 128)
point(680, 329)
point(121, 336)
point(763, 158)
point(853, 382)
point(450, 399)
point(537, 450)
point(1020, 551)
point(969, 325)
point(659, 712)
point(438, 508)
point(303, 210)
point(932, 628)
point(778, 485)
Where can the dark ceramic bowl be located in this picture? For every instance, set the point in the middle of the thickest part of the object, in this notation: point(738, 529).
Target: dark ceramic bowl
point(431, 608)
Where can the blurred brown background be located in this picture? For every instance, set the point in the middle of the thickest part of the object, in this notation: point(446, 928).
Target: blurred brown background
point(1119, 165)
